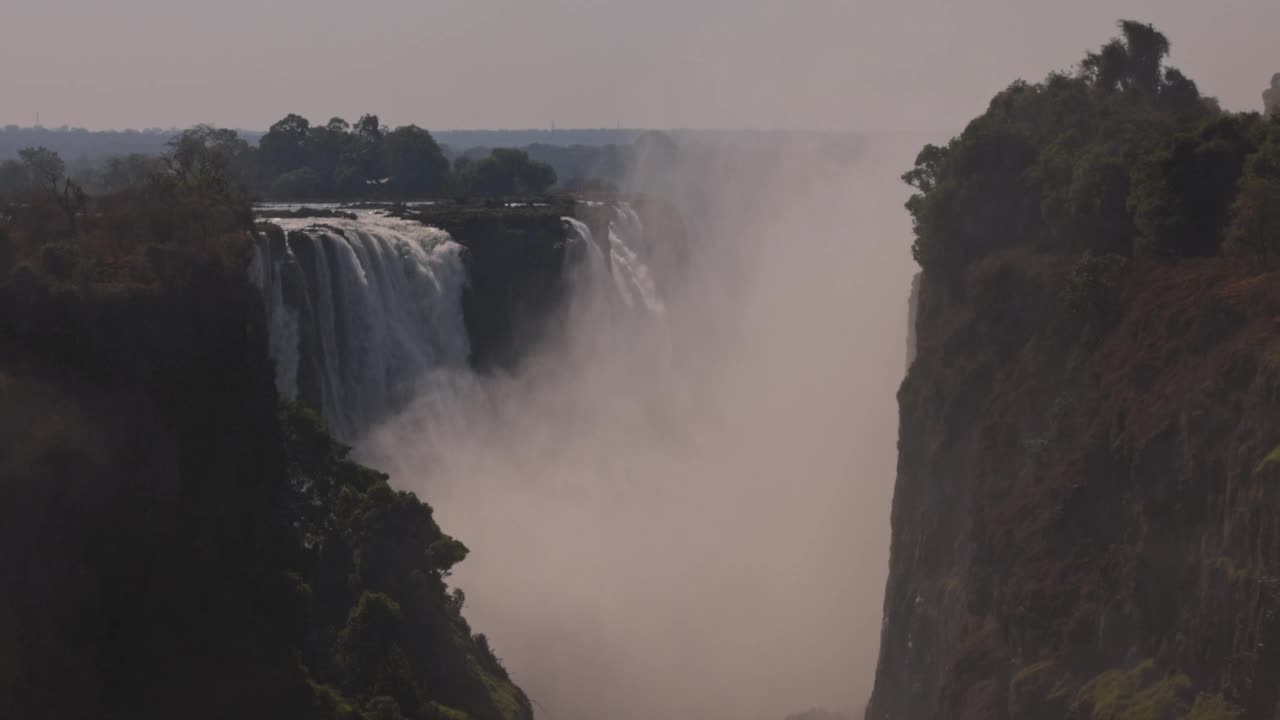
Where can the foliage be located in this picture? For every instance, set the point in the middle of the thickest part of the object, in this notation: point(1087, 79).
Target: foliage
point(1136, 694)
point(415, 163)
point(1183, 189)
point(1122, 156)
point(506, 171)
point(345, 160)
point(1214, 707)
point(382, 622)
point(1090, 289)
point(44, 167)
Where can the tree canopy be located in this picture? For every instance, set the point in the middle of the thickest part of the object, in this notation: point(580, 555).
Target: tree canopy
point(1122, 156)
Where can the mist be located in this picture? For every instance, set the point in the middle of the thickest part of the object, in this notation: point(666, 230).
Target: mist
point(685, 514)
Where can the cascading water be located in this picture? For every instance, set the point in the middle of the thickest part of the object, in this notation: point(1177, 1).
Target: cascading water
point(359, 310)
point(625, 264)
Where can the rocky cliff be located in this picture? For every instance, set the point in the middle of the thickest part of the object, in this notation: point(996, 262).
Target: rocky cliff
point(1084, 521)
point(173, 543)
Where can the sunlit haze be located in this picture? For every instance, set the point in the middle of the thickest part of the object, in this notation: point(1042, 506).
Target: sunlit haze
point(823, 64)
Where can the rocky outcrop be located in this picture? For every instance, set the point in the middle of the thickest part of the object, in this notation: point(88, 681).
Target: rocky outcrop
point(515, 258)
point(1084, 519)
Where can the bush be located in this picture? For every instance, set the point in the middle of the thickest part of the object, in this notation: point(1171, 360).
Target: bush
point(1255, 219)
point(1090, 295)
point(60, 260)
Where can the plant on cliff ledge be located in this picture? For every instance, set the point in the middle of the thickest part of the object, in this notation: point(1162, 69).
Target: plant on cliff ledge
point(1090, 294)
point(1137, 694)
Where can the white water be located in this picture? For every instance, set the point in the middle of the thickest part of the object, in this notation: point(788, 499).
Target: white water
point(364, 311)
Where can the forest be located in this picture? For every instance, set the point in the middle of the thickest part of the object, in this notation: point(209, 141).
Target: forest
point(1123, 158)
point(295, 160)
point(337, 161)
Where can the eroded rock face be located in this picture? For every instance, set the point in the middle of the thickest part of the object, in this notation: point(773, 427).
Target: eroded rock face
point(1084, 515)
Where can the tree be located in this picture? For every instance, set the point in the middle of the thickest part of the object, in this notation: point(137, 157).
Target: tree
point(127, 171)
point(1132, 64)
point(1183, 190)
point(1255, 219)
point(417, 166)
point(44, 167)
point(1271, 97)
point(326, 145)
point(1106, 69)
point(508, 171)
point(284, 147)
point(1147, 49)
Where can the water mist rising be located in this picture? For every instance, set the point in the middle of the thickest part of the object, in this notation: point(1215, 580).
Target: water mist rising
point(683, 511)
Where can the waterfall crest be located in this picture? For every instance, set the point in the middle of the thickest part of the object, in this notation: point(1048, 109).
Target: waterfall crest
point(359, 311)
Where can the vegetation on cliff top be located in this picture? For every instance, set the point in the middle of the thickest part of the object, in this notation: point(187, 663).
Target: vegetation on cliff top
point(1124, 156)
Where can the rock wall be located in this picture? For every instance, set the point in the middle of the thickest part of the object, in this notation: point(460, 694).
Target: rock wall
point(1084, 520)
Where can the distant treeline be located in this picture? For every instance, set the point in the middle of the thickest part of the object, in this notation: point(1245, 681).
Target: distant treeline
point(338, 160)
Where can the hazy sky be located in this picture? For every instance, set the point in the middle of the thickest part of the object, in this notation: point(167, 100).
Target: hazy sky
point(831, 64)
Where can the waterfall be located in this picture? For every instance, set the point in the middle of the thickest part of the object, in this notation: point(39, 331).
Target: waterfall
point(913, 314)
point(359, 311)
point(622, 261)
point(362, 311)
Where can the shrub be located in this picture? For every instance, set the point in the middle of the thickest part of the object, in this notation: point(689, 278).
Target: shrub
point(60, 260)
point(1254, 229)
point(1090, 292)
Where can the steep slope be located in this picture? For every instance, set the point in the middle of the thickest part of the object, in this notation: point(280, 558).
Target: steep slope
point(1083, 523)
point(1083, 515)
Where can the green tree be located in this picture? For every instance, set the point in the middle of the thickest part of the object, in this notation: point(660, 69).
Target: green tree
point(417, 166)
point(1146, 50)
point(1183, 190)
point(326, 145)
point(285, 146)
point(508, 171)
point(1255, 219)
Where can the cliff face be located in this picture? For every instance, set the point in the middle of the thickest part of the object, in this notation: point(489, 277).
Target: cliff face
point(174, 544)
point(140, 469)
point(1084, 521)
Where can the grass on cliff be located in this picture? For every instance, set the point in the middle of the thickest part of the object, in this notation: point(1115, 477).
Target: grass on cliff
point(1271, 458)
point(1141, 693)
